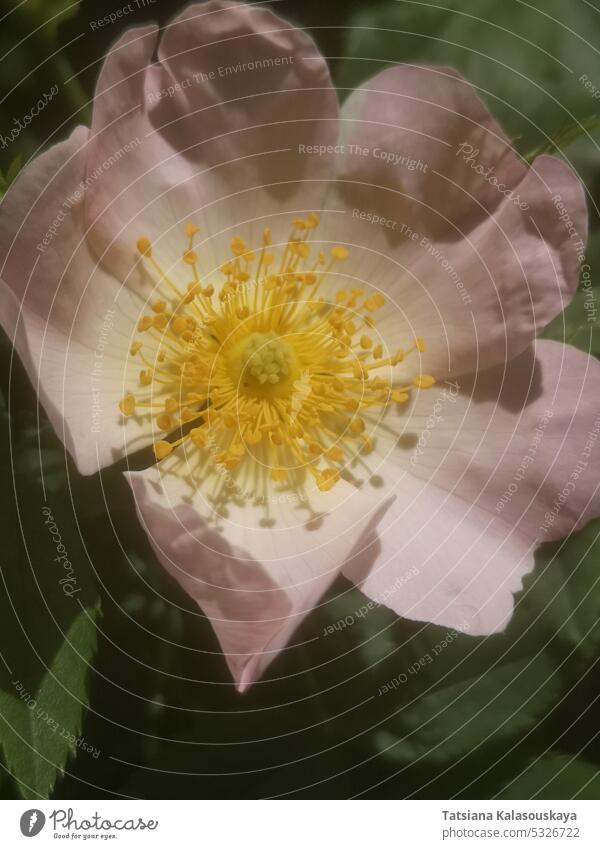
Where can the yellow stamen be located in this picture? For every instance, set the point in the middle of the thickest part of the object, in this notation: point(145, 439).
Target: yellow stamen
point(274, 373)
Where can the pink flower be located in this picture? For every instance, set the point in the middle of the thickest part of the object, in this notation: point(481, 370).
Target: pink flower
point(325, 322)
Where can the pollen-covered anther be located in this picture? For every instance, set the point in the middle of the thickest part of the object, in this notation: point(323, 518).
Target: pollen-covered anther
point(144, 246)
point(162, 449)
point(424, 381)
point(127, 405)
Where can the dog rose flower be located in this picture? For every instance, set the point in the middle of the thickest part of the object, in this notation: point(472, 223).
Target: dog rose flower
point(323, 321)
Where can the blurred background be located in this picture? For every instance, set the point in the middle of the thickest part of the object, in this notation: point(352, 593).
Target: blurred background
point(126, 694)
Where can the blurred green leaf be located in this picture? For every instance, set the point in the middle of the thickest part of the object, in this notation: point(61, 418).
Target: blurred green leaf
point(526, 58)
point(564, 591)
point(469, 707)
point(565, 136)
point(11, 173)
point(48, 606)
point(50, 14)
point(555, 776)
point(443, 695)
point(579, 324)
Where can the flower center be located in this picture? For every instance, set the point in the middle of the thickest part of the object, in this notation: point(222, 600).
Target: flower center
point(263, 365)
point(262, 373)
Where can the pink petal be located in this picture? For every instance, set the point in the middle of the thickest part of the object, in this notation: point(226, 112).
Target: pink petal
point(256, 582)
point(209, 149)
point(424, 114)
point(70, 321)
point(482, 476)
point(481, 296)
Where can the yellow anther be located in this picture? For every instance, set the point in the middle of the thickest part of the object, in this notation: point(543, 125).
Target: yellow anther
point(238, 246)
point(374, 302)
point(399, 396)
point(420, 344)
point(179, 324)
point(367, 445)
point(208, 291)
point(135, 348)
point(187, 415)
point(398, 357)
point(277, 437)
point(160, 321)
point(171, 405)
point(279, 474)
point(164, 422)
point(312, 221)
point(424, 381)
point(335, 453)
point(190, 257)
point(198, 437)
point(191, 230)
point(357, 425)
point(378, 352)
point(144, 246)
point(327, 479)
point(299, 223)
point(254, 437)
point(340, 296)
point(303, 250)
point(315, 448)
point(159, 306)
point(366, 342)
point(339, 252)
point(146, 377)
point(127, 405)
point(145, 323)
point(242, 312)
point(162, 449)
point(267, 236)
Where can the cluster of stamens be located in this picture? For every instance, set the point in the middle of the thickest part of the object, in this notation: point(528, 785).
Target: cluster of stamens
point(263, 368)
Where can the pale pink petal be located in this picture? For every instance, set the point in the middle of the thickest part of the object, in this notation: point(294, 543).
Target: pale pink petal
point(259, 571)
point(70, 321)
point(480, 297)
point(202, 142)
point(402, 131)
point(484, 470)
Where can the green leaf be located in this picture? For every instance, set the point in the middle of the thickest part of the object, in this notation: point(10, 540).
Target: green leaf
point(13, 169)
point(527, 59)
point(51, 13)
point(447, 713)
point(565, 136)
point(579, 324)
point(48, 607)
point(555, 776)
point(564, 591)
point(442, 695)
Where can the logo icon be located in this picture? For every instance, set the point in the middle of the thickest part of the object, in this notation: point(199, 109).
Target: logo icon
point(32, 822)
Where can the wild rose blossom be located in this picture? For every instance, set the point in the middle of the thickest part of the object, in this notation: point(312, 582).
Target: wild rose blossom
point(324, 322)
